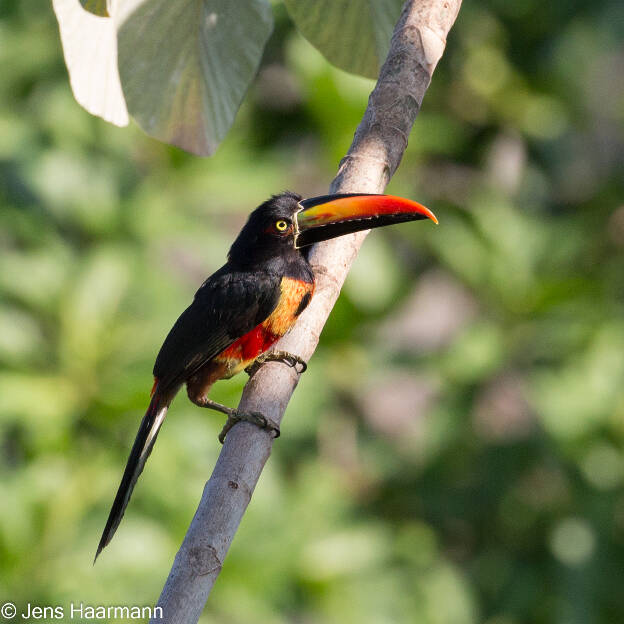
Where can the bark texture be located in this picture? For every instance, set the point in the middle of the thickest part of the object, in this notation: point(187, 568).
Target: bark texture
point(381, 138)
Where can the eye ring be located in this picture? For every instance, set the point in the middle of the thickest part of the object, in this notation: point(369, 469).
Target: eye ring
point(281, 225)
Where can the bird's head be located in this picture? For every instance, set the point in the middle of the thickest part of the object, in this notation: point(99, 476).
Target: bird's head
point(287, 222)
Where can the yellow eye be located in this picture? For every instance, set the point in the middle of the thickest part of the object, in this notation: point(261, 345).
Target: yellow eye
point(281, 225)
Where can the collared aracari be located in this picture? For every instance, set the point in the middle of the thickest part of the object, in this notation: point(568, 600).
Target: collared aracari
point(240, 311)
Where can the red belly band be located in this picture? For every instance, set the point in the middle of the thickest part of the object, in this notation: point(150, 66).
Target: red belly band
point(250, 346)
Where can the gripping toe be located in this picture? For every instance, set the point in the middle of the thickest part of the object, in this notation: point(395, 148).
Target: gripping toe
point(284, 357)
point(255, 418)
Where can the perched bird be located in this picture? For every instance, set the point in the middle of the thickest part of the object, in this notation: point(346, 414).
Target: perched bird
point(240, 311)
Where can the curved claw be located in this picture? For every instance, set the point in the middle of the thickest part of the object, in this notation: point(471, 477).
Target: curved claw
point(277, 356)
point(255, 418)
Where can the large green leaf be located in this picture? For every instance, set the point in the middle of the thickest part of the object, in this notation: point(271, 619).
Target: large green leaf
point(352, 34)
point(186, 65)
point(90, 50)
point(181, 68)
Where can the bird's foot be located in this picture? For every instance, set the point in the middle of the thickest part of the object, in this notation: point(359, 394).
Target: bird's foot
point(255, 418)
point(235, 416)
point(277, 356)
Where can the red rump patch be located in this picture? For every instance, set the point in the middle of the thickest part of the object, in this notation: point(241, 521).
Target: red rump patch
point(251, 345)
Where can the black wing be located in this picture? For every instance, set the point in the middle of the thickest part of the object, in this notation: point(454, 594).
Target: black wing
point(227, 306)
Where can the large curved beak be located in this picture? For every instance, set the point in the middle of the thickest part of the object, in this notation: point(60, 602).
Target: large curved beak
point(328, 216)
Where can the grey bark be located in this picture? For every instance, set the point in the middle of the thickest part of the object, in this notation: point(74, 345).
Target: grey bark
point(381, 138)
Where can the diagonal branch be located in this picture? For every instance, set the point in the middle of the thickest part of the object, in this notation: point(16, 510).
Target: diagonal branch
point(381, 138)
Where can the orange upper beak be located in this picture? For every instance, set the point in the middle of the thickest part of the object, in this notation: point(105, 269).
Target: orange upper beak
point(328, 216)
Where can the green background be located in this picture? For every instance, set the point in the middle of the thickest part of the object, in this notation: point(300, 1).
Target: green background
point(455, 453)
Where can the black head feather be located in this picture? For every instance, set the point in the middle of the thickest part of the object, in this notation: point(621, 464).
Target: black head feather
point(260, 240)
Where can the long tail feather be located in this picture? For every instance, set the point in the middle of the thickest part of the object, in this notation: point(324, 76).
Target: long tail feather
point(141, 449)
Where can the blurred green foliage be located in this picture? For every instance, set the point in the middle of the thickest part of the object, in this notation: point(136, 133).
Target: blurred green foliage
point(455, 453)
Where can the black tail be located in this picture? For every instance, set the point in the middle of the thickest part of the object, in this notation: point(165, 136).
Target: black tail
point(142, 447)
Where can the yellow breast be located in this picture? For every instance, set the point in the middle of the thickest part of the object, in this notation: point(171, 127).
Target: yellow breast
point(294, 298)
